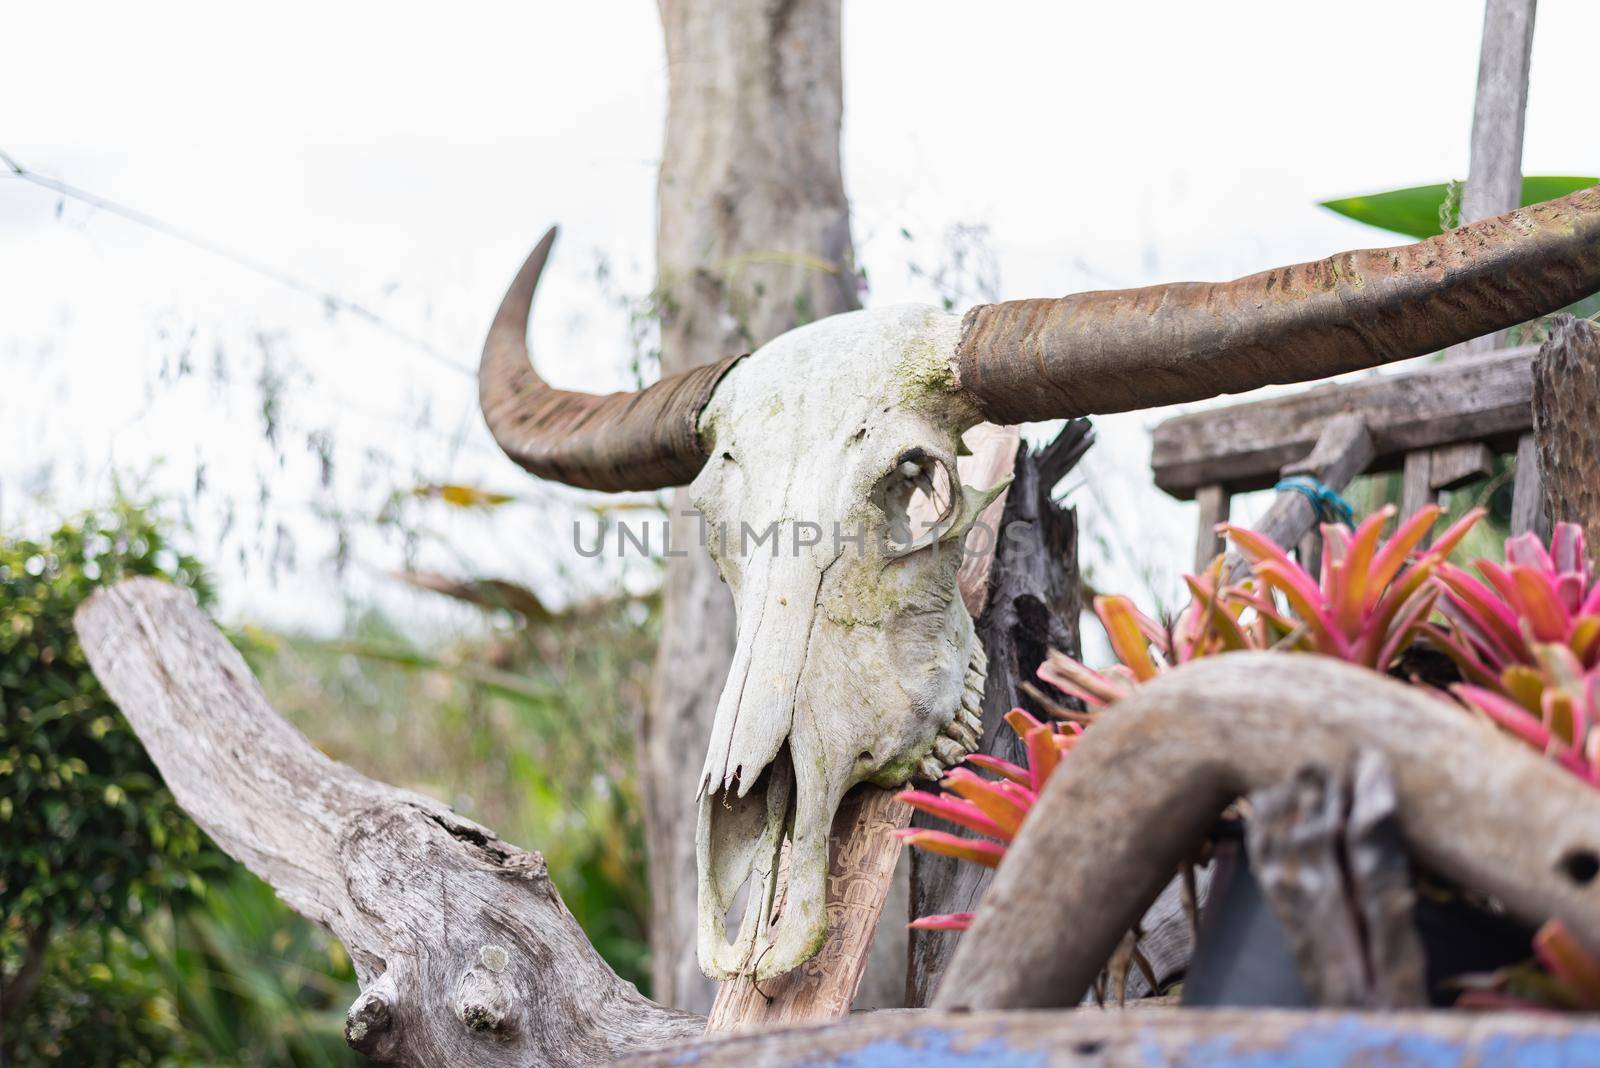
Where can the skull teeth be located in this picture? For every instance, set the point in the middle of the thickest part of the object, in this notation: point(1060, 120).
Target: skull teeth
point(948, 750)
point(963, 734)
point(929, 768)
point(971, 717)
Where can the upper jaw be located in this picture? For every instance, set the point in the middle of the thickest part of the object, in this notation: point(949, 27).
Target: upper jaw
point(771, 831)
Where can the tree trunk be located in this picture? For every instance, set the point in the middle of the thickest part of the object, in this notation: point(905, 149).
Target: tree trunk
point(753, 240)
point(17, 988)
point(1566, 400)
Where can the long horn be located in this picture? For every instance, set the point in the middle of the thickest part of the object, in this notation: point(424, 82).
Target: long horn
point(1138, 348)
point(643, 440)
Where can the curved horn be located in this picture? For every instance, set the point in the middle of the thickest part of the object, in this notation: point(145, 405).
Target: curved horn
point(1138, 348)
point(643, 440)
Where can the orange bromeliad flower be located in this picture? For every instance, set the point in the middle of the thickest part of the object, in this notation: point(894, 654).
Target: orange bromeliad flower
point(994, 808)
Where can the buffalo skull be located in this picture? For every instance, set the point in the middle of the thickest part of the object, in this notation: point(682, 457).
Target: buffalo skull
point(856, 660)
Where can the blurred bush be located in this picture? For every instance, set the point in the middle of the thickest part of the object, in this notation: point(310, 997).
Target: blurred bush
point(528, 729)
point(92, 834)
point(129, 939)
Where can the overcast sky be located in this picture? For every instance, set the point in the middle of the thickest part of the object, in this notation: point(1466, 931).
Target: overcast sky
point(405, 157)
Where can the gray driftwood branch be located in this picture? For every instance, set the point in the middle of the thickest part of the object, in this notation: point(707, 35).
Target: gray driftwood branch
point(463, 948)
point(1473, 806)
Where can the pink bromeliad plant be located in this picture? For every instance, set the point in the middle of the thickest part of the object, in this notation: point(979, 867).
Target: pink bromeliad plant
point(1562, 975)
point(1373, 597)
point(994, 808)
point(1144, 648)
point(1371, 601)
point(1526, 638)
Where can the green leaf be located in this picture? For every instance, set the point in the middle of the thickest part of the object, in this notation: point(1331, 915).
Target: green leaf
point(1415, 211)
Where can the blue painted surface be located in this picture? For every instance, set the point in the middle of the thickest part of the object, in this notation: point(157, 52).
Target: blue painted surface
point(931, 1047)
point(1364, 1041)
point(1353, 1041)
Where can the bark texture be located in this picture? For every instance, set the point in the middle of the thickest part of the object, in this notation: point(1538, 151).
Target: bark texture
point(1148, 781)
point(1033, 604)
point(753, 239)
point(464, 951)
point(1566, 424)
point(1327, 854)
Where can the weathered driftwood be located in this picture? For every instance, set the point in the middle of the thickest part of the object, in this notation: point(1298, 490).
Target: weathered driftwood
point(1566, 422)
point(1148, 781)
point(463, 948)
point(754, 99)
point(1157, 1038)
point(1245, 446)
point(1327, 854)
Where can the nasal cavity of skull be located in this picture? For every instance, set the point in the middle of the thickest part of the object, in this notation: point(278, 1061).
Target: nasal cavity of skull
point(918, 496)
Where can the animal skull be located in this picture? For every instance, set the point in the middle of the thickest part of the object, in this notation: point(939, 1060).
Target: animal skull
point(854, 650)
point(853, 656)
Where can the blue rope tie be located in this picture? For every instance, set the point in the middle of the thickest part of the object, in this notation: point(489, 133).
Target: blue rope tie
point(1325, 501)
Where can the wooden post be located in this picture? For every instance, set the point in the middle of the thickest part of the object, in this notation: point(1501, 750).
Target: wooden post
point(1342, 452)
point(1566, 404)
point(1494, 176)
point(1454, 466)
point(1247, 446)
point(1215, 502)
point(1416, 485)
point(1527, 490)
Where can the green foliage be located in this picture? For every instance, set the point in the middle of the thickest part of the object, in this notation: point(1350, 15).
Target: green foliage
point(252, 982)
point(1420, 211)
point(236, 979)
point(91, 833)
point(529, 730)
point(98, 1004)
point(156, 949)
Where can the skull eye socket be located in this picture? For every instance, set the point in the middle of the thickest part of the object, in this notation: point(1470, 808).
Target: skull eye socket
point(918, 496)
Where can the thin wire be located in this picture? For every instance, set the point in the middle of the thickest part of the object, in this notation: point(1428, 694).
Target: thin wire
point(329, 300)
